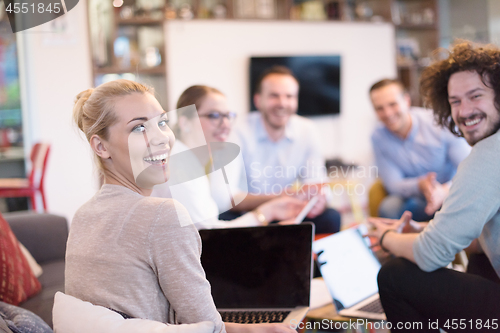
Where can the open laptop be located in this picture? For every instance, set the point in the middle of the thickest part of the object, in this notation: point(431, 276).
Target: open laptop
point(260, 274)
point(349, 269)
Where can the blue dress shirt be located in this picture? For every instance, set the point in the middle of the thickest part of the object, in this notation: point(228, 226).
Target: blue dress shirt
point(272, 166)
point(427, 148)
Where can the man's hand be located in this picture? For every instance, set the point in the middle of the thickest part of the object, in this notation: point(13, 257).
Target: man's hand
point(404, 224)
point(433, 191)
point(437, 198)
point(426, 185)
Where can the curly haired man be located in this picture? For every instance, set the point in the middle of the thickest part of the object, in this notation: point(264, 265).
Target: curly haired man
point(464, 92)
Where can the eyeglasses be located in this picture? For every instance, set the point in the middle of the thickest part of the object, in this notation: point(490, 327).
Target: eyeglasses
point(216, 118)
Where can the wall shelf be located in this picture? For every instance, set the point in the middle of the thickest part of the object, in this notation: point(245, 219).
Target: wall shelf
point(415, 21)
point(138, 21)
point(417, 26)
point(158, 70)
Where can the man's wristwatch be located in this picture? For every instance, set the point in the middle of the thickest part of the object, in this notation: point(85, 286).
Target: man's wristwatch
point(260, 217)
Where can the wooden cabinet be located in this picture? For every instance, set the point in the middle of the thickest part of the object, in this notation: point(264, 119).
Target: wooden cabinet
point(127, 41)
point(417, 36)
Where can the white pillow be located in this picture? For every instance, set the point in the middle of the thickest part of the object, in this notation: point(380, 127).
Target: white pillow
point(72, 315)
point(35, 267)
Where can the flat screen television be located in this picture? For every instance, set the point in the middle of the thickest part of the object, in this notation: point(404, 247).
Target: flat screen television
point(319, 78)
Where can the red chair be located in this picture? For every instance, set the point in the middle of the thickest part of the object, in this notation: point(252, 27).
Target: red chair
point(22, 187)
point(4, 141)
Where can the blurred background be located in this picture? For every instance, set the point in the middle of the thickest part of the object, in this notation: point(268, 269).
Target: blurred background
point(171, 44)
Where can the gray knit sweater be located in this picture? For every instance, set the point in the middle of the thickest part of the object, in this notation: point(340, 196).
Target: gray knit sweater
point(470, 211)
point(130, 253)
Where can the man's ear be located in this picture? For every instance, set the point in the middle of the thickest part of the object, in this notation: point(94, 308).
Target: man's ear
point(99, 147)
point(256, 100)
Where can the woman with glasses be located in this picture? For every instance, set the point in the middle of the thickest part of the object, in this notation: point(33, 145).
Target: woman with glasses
point(206, 197)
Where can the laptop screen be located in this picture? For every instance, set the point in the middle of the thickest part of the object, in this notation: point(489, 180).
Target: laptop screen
point(259, 267)
point(348, 266)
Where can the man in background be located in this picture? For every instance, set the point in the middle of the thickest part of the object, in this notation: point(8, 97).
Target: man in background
point(416, 159)
point(279, 148)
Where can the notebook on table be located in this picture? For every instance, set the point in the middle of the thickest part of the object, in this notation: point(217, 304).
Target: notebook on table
point(349, 269)
point(259, 274)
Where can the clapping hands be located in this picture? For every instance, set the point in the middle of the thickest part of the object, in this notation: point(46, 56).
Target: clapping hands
point(404, 225)
point(433, 191)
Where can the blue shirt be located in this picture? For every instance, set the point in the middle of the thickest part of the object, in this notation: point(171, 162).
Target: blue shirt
point(427, 148)
point(272, 166)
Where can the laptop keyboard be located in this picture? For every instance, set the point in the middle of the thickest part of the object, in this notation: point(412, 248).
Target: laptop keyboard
point(253, 317)
point(373, 307)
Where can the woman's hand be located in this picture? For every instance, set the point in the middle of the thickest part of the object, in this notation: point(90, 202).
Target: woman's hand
point(307, 192)
point(259, 328)
point(318, 208)
point(282, 208)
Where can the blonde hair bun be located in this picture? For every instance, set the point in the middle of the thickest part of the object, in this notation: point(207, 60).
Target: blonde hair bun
point(78, 112)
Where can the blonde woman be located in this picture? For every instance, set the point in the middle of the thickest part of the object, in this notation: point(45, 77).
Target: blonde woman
point(126, 250)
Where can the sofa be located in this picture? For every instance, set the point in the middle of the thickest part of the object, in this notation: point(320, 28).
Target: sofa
point(45, 236)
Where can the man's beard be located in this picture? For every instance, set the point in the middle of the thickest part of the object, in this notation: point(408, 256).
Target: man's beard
point(494, 128)
point(269, 121)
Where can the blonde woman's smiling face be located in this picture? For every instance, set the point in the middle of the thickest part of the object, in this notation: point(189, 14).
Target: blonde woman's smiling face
point(139, 142)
